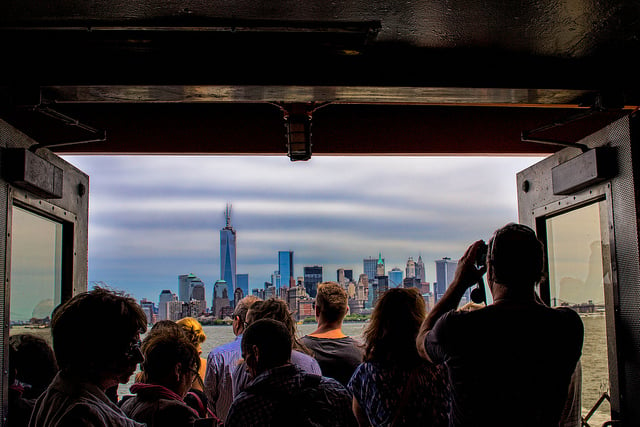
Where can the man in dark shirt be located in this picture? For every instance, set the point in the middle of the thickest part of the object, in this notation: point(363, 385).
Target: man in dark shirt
point(337, 354)
point(280, 394)
point(510, 363)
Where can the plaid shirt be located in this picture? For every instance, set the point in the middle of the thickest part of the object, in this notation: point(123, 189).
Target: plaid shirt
point(288, 396)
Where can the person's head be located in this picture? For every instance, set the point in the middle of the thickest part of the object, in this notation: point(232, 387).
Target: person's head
point(276, 309)
point(192, 330)
point(96, 336)
point(515, 257)
point(32, 362)
point(171, 361)
point(272, 308)
point(162, 327)
point(332, 302)
point(391, 333)
point(266, 344)
point(240, 313)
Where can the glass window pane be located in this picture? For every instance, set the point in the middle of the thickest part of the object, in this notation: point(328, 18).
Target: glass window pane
point(36, 272)
point(577, 273)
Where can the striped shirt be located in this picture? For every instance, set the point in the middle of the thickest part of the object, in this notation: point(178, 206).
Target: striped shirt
point(218, 381)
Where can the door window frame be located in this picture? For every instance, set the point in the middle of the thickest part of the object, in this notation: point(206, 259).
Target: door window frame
point(540, 215)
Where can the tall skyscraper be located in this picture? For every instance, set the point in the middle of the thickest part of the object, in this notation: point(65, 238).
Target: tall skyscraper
point(312, 276)
point(395, 278)
point(421, 273)
point(445, 270)
point(285, 267)
point(190, 287)
point(242, 282)
point(228, 252)
point(411, 268)
point(370, 266)
point(380, 266)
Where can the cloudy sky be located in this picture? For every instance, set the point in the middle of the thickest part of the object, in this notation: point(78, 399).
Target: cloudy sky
point(152, 218)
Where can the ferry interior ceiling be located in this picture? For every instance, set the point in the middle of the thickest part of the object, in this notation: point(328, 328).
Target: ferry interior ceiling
point(307, 78)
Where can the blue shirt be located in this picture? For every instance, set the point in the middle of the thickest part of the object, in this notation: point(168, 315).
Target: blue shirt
point(218, 381)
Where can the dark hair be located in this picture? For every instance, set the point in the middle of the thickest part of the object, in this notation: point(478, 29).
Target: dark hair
point(94, 329)
point(332, 301)
point(516, 255)
point(272, 339)
point(274, 308)
point(162, 327)
point(243, 307)
point(390, 336)
point(163, 352)
point(32, 361)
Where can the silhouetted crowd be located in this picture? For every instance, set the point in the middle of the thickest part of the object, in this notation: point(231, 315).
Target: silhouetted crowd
point(509, 363)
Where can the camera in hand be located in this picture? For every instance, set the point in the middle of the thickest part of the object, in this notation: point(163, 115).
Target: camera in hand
point(478, 294)
point(481, 255)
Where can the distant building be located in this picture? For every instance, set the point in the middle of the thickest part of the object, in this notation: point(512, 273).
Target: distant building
point(174, 309)
point(344, 276)
point(198, 292)
point(411, 282)
point(380, 266)
point(425, 287)
point(276, 280)
point(228, 252)
point(351, 290)
point(411, 268)
point(242, 282)
point(186, 285)
point(149, 310)
point(421, 272)
point(193, 308)
point(312, 277)
point(220, 298)
point(258, 292)
point(166, 296)
point(383, 285)
point(445, 271)
point(395, 278)
point(306, 309)
point(370, 266)
point(362, 288)
point(226, 312)
point(237, 296)
point(285, 267)
point(373, 294)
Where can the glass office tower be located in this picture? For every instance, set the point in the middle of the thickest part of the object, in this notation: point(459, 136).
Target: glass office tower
point(285, 267)
point(228, 252)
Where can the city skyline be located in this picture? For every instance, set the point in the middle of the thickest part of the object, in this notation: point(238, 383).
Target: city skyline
point(152, 218)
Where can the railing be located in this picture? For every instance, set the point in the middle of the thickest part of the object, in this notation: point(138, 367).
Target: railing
point(610, 423)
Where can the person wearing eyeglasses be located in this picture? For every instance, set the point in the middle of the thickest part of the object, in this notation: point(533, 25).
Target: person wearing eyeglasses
point(510, 363)
point(171, 365)
point(96, 341)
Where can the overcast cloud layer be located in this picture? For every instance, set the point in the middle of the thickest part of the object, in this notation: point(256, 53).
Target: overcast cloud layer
point(154, 218)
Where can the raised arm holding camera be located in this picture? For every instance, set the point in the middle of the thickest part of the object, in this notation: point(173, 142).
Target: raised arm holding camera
point(510, 363)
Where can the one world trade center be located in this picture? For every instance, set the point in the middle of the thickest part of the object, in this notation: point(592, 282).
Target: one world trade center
point(228, 253)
